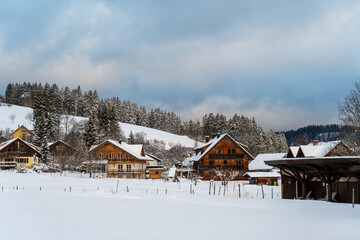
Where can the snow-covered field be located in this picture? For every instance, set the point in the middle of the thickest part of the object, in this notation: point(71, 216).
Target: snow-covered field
point(160, 210)
point(151, 134)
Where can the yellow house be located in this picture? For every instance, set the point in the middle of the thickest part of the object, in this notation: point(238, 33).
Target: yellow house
point(17, 152)
point(23, 133)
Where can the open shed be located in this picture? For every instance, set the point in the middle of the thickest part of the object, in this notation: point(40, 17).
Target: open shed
point(332, 178)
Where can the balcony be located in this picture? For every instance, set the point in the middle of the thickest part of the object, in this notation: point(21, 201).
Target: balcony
point(7, 164)
point(114, 160)
point(226, 156)
point(220, 167)
point(125, 171)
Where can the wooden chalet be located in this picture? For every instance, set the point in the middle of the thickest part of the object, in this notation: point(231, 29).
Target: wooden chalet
point(325, 170)
point(61, 152)
point(23, 133)
point(17, 152)
point(221, 154)
point(127, 160)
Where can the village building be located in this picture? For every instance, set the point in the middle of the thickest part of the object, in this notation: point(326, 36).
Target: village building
point(261, 173)
point(124, 160)
point(23, 133)
point(218, 156)
point(61, 152)
point(17, 152)
point(320, 170)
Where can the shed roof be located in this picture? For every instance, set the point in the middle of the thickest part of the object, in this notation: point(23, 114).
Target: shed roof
point(259, 162)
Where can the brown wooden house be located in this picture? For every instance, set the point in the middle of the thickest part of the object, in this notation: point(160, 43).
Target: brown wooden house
point(61, 152)
point(126, 160)
point(17, 152)
point(221, 155)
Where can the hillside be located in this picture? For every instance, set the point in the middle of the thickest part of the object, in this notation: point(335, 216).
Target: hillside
point(151, 134)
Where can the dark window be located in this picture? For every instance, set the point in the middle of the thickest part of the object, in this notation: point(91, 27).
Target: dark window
point(225, 162)
point(229, 151)
point(128, 168)
point(211, 162)
point(211, 174)
point(233, 150)
point(156, 172)
point(241, 155)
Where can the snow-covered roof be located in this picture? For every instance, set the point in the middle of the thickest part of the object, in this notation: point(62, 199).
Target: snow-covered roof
point(7, 143)
point(259, 162)
point(263, 174)
point(318, 149)
point(132, 149)
point(212, 143)
point(294, 150)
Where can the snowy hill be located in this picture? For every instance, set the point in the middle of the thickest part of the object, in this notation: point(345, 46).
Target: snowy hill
point(151, 134)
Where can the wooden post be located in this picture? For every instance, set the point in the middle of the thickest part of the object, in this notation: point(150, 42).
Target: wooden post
point(40, 188)
point(303, 189)
point(262, 191)
point(297, 190)
point(209, 187)
point(272, 193)
point(127, 189)
point(64, 189)
point(328, 192)
point(214, 188)
point(2, 188)
point(157, 191)
point(219, 190)
point(70, 189)
point(239, 191)
point(190, 188)
point(166, 191)
point(117, 186)
point(353, 197)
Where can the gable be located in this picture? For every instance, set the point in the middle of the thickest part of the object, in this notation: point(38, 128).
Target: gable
point(341, 149)
point(19, 147)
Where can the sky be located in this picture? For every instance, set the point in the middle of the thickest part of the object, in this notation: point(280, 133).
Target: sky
point(286, 63)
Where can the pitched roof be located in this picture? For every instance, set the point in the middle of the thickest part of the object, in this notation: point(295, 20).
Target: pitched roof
point(7, 143)
point(212, 143)
point(133, 149)
point(19, 128)
point(52, 143)
point(259, 162)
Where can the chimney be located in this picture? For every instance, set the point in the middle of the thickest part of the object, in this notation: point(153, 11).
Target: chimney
point(119, 140)
point(207, 138)
point(218, 135)
point(315, 142)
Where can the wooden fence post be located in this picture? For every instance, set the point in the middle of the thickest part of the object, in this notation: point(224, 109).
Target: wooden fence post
point(117, 186)
point(70, 189)
point(262, 191)
point(272, 193)
point(297, 190)
point(214, 188)
point(210, 188)
point(353, 197)
point(190, 188)
point(239, 191)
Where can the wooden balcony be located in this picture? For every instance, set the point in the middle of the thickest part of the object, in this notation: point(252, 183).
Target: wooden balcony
point(115, 160)
point(226, 156)
point(11, 153)
point(8, 164)
point(219, 167)
point(116, 171)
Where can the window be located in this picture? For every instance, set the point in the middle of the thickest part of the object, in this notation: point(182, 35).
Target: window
point(211, 174)
point(229, 151)
point(211, 162)
point(233, 151)
point(217, 151)
point(120, 167)
point(128, 167)
point(222, 151)
point(101, 156)
point(225, 162)
point(241, 155)
point(156, 172)
point(111, 156)
point(128, 156)
point(120, 156)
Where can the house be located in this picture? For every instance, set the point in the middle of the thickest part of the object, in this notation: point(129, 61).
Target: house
point(23, 133)
point(218, 156)
point(320, 170)
point(261, 173)
point(17, 152)
point(61, 152)
point(126, 160)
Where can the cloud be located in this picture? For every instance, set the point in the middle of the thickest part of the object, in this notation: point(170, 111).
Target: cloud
point(283, 59)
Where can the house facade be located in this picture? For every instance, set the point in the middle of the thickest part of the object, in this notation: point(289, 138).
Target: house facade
point(218, 156)
point(61, 152)
point(23, 133)
point(126, 160)
point(17, 152)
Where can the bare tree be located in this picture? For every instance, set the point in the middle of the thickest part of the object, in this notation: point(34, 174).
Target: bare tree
point(226, 174)
point(29, 116)
point(12, 117)
point(349, 110)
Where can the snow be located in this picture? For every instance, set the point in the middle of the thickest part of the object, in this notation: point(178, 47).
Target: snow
point(93, 210)
point(263, 174)
point(151, 134)
point(259, 162)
